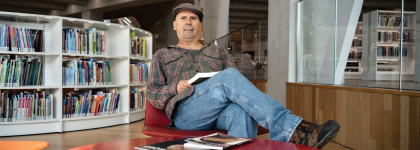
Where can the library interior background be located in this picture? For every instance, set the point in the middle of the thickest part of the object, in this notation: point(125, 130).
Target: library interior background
point(320, 58)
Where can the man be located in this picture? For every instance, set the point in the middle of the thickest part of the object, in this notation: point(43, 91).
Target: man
point(226, 101)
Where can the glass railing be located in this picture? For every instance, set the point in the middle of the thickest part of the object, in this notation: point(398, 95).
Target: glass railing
point(352, 43)
point(248, 48)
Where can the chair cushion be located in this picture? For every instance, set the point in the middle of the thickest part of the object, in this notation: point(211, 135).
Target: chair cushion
point(156, 123)
point(155, 116)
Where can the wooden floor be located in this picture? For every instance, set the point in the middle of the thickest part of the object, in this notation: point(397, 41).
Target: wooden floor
point(66, 140)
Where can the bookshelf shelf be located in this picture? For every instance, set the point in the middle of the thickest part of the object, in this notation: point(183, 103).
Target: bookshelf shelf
point(30, 127)
point(82, 123)
point(96, 86)
point(116, 55)
point(135, 115)
point(93, 117)
point(95, 56)
point(139, 59)
point(137, 111)
point(29, 87)
point(354, 73)
point(356, 47)
point(139, 84)
point(393, 28)
point(28, 53)
point(381, 44)
point(30, 122)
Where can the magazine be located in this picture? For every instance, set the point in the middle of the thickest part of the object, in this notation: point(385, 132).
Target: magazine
point(200, 77)
point(177, 144)
point(215, 141)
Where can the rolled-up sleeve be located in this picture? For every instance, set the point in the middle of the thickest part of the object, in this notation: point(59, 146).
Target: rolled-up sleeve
point(158, 92)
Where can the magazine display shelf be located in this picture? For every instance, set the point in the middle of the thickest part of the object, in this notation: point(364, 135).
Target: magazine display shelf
point(117, 53)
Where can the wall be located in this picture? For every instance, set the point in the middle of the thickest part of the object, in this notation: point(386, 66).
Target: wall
point(369, 118)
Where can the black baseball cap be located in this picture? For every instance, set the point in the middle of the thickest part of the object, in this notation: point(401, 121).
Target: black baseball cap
point(188, 6)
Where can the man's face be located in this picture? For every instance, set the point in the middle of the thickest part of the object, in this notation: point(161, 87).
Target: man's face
point(187, 25)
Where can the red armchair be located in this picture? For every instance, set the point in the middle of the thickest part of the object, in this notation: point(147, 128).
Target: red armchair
point(156, 123)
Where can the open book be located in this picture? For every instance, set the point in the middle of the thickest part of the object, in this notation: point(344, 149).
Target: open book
point(172, 144)
point(215, 141)
point(199, 77)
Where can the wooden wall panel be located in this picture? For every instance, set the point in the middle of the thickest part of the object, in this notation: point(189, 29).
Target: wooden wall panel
point(260, 84)
point(369, 118)
point(414, 123)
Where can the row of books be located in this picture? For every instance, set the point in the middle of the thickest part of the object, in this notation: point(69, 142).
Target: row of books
point(390, 51)
point(90, 103)
point(355, 55)
point(83, 72)
point(357, 43)
point(351, 70)
point(25, 106)
point(84, 41)
point(390, 21)
point(137, 98)
point(138, 47)
point(389, 37)
point(138, 73)
point(359, 30)
point(20, 70)
point(20, 39)
point(352, 64)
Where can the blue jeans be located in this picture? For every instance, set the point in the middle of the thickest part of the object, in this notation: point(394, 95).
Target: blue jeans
point(228, 101)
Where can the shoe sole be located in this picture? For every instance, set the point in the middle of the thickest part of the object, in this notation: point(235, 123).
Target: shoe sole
point(334, 128)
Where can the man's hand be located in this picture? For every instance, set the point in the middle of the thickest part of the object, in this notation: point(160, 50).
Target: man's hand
point(182, 85)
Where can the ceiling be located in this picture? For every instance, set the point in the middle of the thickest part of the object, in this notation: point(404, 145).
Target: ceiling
point(147, 12)
point(151, 12)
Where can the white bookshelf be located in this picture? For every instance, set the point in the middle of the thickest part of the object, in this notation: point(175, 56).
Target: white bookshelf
point(117, 53)
point(354, 62)
point(135, 115)
point(381, 60)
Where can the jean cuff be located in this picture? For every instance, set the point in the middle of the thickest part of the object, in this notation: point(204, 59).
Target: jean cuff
point(293, 128)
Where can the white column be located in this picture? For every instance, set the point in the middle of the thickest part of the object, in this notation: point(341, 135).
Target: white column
point(348, 13)
point(216, 19)
point(281, 47)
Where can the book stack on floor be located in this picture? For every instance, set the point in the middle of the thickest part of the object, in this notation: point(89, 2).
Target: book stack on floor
point(212, 141)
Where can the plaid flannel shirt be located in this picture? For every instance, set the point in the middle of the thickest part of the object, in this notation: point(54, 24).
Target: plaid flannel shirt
point(172, 64)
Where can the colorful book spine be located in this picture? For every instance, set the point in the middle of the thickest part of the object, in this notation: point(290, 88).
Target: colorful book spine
point(24, 106)
point(86, 104)
point(83, 72)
